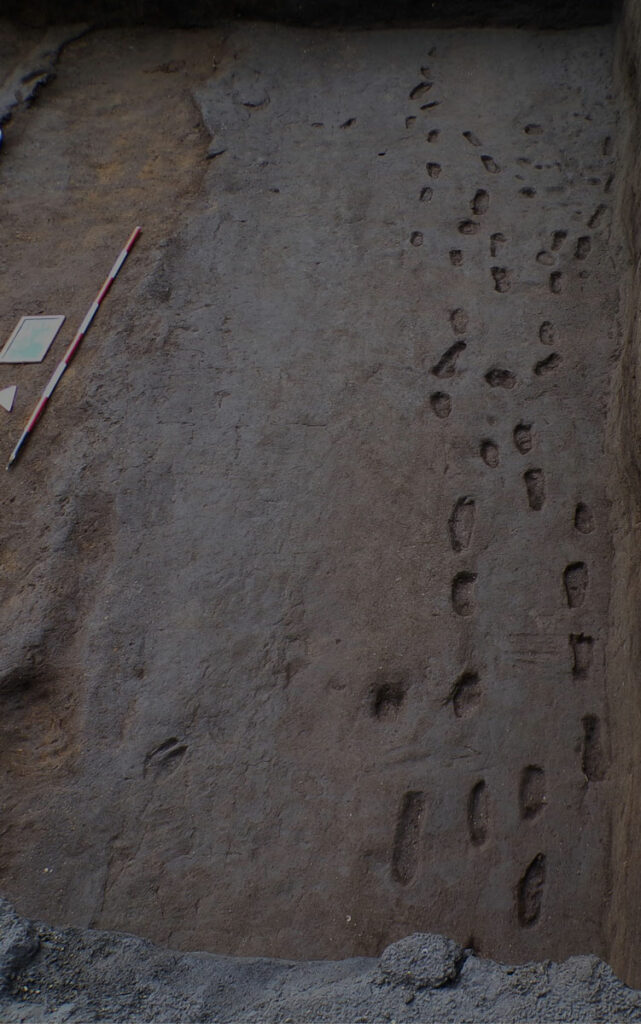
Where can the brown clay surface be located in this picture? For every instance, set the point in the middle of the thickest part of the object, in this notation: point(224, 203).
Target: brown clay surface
point(305, 573)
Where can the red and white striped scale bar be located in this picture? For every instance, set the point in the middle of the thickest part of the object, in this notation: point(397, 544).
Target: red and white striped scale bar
point(69, 354)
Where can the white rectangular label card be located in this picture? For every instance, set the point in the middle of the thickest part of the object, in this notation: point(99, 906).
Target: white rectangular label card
point(31, 339)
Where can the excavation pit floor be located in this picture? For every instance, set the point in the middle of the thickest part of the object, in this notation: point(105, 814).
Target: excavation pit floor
point(306, 568)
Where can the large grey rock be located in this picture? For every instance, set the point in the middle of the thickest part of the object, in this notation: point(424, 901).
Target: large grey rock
point(422, 961)
point(18, 943)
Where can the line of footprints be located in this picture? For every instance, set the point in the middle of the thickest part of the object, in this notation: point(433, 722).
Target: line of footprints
point(532, 799)
point(502, 277)
point(466, 694)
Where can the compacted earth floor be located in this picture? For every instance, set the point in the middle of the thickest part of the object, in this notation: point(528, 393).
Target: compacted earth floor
point(304, 573)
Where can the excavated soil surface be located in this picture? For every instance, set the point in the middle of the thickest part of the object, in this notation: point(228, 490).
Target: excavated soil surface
point(305, 571)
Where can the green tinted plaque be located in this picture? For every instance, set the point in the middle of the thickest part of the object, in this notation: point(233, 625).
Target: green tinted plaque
point(31, 339)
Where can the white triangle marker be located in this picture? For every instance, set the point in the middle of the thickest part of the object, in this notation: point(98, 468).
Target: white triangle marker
point(7, 396)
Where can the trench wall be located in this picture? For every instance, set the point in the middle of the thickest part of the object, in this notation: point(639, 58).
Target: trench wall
point(624, 656)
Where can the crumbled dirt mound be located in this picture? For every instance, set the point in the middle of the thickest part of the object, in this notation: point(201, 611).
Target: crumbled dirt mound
point(69, 975)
